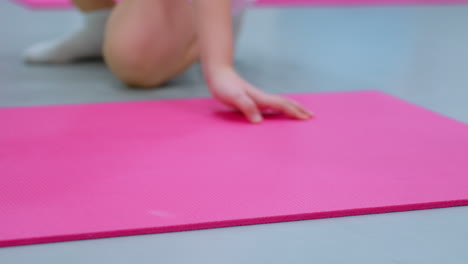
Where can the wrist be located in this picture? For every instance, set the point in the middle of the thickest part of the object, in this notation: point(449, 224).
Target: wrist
point(214, 72)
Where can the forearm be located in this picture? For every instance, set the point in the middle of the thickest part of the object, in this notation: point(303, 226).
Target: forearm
point(214, 25)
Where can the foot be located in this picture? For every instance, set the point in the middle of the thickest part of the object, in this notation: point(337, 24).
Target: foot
point(84, 43)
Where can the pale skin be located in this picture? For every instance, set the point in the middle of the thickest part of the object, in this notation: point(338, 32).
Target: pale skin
point(149, 42)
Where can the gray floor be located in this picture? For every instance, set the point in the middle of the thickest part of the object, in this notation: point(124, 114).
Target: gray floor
point(417, 53)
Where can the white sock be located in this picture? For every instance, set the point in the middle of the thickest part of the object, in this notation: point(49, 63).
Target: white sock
point(86, 42)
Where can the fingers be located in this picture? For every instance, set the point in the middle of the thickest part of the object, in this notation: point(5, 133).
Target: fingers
point(248, 107)
point(294, 111)
point(284, 105)
point(300, 108)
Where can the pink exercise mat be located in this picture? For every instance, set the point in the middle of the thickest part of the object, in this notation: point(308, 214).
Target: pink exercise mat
point(66, 3)
point(45, 3)
point(116, 169)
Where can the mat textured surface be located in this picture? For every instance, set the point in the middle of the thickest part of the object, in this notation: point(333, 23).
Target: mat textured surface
point(115, 169)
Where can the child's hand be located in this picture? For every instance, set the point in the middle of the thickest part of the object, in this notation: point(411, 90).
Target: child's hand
point(229, 88)
point(214, 28)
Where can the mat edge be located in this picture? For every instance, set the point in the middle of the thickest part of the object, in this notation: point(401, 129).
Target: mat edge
point(234, 223)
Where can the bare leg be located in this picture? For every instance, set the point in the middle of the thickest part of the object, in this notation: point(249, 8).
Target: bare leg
point(84, 42)
point(149, 42)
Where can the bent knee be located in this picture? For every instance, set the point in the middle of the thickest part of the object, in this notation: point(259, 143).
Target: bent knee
point(139, 62)
point(136, 75)
point(132, 66)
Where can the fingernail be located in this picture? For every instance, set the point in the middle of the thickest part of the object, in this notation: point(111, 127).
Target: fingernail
point(257, 118)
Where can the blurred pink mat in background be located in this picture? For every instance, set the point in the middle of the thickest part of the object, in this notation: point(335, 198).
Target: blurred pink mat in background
point(66, 3)
point(89, 171)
